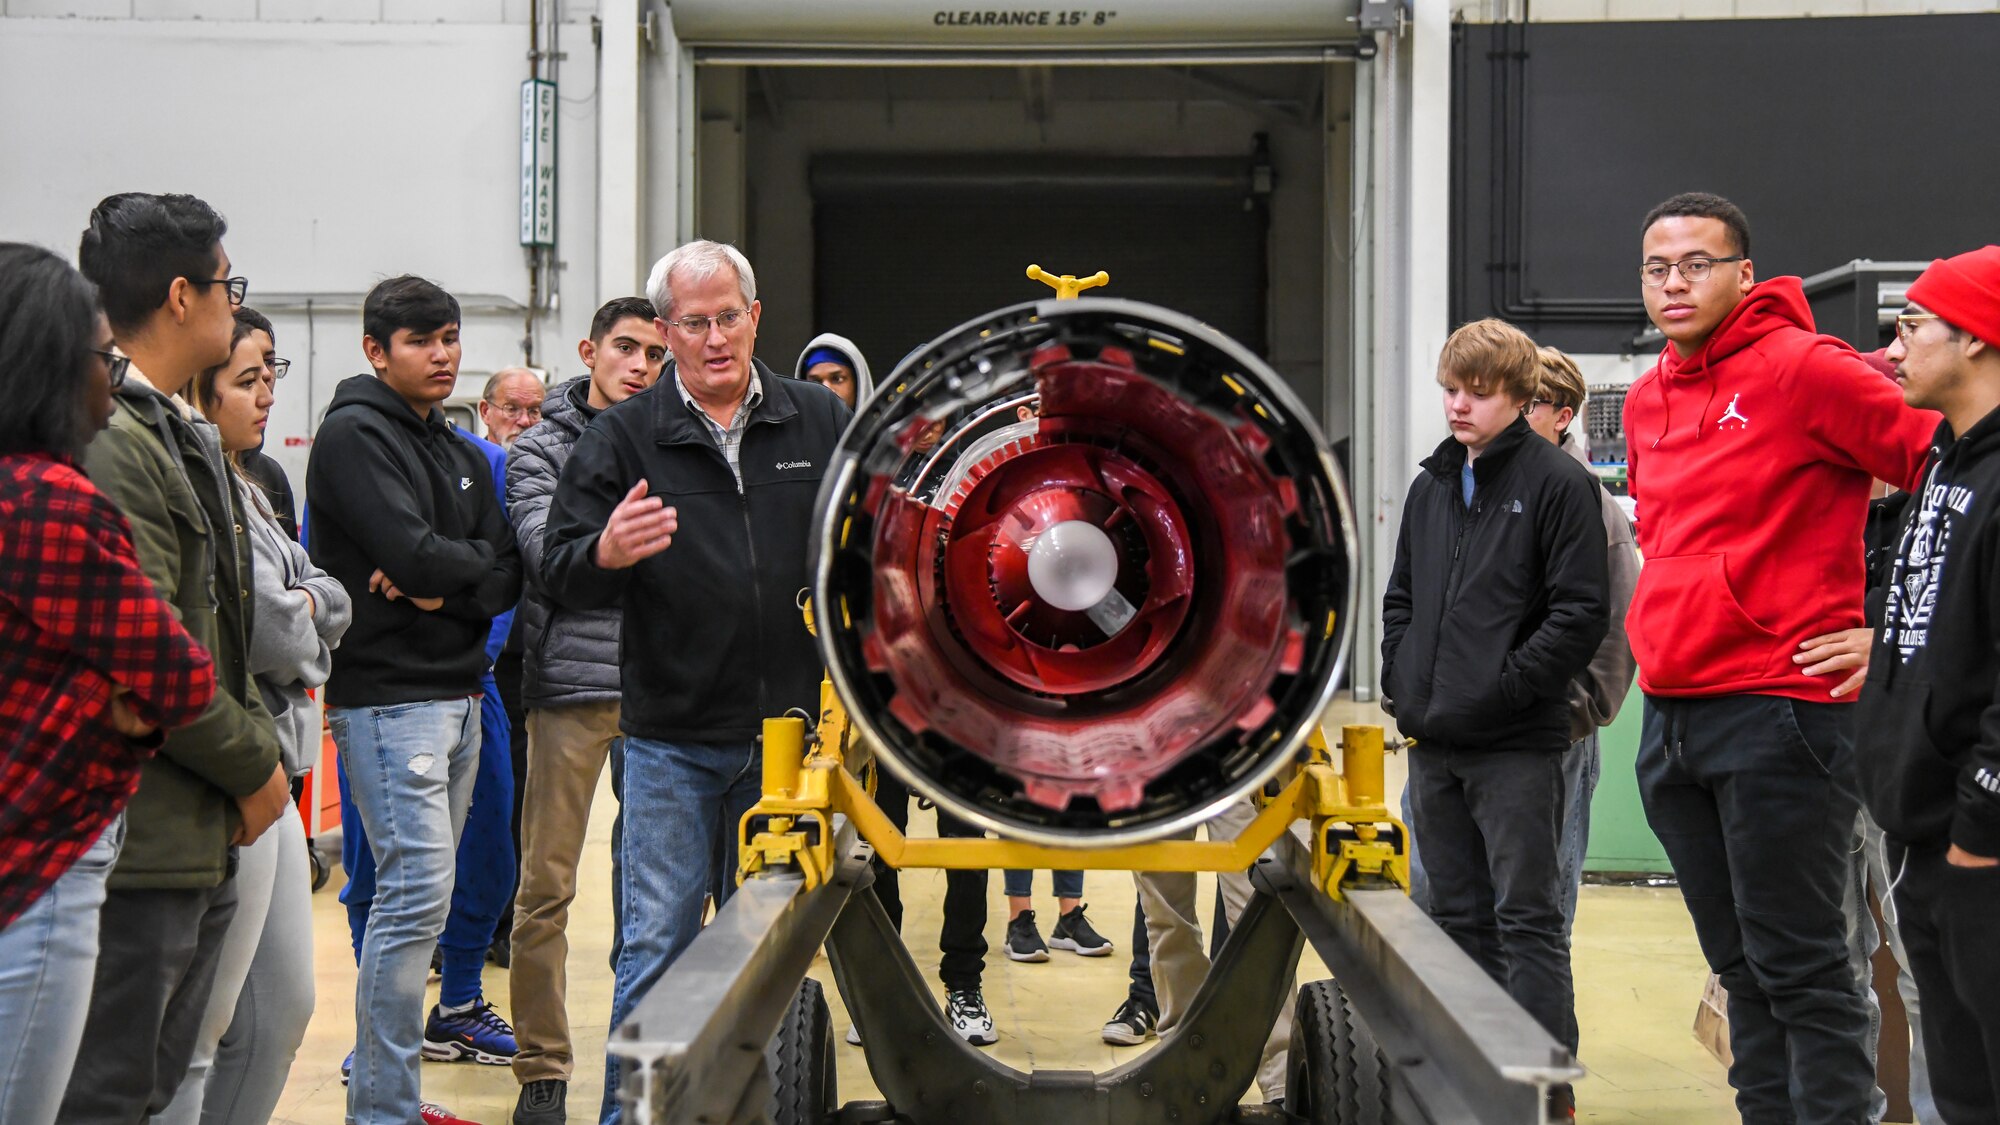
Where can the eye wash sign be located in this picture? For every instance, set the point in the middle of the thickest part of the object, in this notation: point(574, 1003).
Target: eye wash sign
point(538, 163)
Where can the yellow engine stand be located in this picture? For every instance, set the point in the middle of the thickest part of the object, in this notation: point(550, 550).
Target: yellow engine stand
point(1354, 839)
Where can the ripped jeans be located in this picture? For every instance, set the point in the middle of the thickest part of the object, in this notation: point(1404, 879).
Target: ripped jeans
point(409, 768)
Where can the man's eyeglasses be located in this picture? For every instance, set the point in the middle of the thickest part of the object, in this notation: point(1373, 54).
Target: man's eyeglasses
point(279, 367)
point(698, 325)
point(1534, 402)
point(115, 365)
point(1693, 270)
point(239, 287)
point(516, 413)
point(1908, 323)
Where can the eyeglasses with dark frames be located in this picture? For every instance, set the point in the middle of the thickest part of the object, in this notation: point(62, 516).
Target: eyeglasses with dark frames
point(698, 325)
point(114, 364)
point(239, 287)
point(1692, 270)
point(279, 367)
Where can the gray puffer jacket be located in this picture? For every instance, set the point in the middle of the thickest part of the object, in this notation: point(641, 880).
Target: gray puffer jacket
point(568, 656)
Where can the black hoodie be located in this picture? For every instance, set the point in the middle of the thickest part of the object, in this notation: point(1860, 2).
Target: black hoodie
point(1492, 610)
point(1929, 758)
point(411, 496)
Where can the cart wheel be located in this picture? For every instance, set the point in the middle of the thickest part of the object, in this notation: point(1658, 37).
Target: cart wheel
point(320, 872)
point(804, 1088)
point(1338, 1075)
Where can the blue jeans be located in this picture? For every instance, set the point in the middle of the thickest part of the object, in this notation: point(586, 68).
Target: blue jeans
point(48, 959)
point(681, 805)
point(1021, 884)
point(486, 861)
point(1581, 768)
point(409, 769)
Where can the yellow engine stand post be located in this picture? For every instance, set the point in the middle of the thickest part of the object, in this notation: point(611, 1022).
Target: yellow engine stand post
point(1068, 285)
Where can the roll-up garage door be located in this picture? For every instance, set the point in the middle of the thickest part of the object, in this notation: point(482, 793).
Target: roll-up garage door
point(905, 249)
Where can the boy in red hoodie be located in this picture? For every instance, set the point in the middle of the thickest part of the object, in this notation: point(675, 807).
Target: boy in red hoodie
point(1752, 444)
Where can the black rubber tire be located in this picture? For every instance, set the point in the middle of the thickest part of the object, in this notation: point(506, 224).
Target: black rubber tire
point(1338, 1075)
point(320, 873)
point(804, 1087)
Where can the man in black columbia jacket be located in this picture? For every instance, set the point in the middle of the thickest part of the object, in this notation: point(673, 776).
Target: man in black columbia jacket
point(1930, 713)
point(690, 505)
point(1497, 601)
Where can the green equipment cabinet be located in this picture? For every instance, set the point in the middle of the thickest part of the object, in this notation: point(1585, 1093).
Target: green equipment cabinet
point(1621, 842)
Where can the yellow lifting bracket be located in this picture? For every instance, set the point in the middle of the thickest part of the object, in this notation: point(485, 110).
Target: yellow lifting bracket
point(1349, 847)
point(1068, 285)
point(807, 782)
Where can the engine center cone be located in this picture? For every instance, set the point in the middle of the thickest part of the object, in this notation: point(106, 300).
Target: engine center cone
point(1086, 568)
point(1072, 565)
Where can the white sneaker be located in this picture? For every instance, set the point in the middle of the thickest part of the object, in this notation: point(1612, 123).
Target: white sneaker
point(854, 1035)
point(969, 1017)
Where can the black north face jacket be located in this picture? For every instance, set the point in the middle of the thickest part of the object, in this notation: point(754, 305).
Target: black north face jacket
point(714, 642)
point(1492, 609)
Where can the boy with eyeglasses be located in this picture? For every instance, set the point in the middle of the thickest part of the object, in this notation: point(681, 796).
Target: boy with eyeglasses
point(159, 265)
point(1932, 778)
point(1751, 447)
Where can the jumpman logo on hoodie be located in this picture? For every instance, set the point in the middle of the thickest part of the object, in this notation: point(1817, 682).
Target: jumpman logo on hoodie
point(1722, 423)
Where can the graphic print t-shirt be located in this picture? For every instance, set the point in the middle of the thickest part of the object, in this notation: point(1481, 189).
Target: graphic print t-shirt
point(1913, 586)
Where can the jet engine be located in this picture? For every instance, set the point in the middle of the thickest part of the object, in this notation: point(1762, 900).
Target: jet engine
point(1084, 572)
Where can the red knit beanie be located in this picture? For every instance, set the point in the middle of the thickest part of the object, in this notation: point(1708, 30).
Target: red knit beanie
point(1965, 291)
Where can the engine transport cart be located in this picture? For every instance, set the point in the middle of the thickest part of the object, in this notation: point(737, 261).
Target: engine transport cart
point(1082, 577)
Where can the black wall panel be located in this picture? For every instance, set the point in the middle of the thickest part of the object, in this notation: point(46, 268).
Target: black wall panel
point(905, 250)
point(1872, 137)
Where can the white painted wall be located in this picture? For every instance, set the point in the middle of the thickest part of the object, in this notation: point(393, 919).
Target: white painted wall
point(340, 153)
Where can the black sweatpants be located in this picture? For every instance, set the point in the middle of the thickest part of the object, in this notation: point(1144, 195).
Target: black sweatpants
point(1491, 823)
point(156, 961)
point(1950, 919)
point(1141, 988)
point(1753, 798)
point(962, 939)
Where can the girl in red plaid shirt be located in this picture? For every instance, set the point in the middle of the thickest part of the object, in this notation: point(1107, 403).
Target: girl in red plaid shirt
point(94, 666)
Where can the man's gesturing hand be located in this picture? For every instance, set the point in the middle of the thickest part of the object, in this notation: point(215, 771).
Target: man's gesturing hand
point(640, 527)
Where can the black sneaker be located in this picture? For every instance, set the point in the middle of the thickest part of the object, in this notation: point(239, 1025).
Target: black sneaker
point(1073, 933)
point(1134, 1024)
point(968, 1015)
point(1024, 941)
point(501, 953)
point(542, 1103)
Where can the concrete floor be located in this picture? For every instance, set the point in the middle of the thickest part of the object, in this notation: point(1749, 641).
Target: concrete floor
point(1638, 973)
